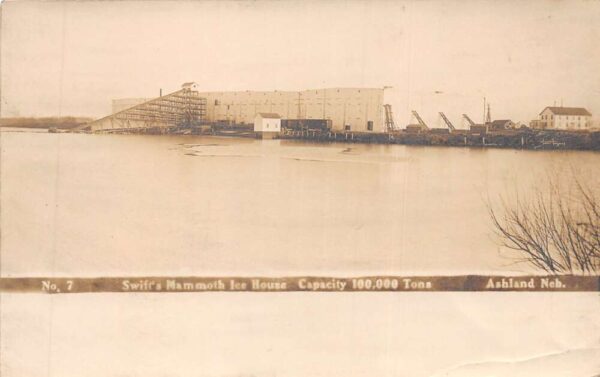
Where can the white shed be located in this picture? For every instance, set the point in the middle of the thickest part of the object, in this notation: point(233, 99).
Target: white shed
point(267, 125)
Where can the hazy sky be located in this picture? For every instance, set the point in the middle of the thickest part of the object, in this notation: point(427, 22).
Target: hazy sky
point(72, 58)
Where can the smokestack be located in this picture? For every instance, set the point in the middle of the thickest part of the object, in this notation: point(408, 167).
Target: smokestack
point(483, 122)
point(160, 93)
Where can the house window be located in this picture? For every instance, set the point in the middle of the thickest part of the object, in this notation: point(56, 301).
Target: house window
point(370, 125)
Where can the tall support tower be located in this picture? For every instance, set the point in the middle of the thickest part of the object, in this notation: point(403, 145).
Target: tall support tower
point(183, 108)
point(389, 118)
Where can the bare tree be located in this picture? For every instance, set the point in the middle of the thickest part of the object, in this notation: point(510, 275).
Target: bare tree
point(556, 231)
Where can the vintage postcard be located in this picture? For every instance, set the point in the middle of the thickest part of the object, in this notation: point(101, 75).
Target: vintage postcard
point(299, 188)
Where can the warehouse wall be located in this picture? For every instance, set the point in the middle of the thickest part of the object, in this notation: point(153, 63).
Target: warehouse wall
point(344, 106)
point(242, 107)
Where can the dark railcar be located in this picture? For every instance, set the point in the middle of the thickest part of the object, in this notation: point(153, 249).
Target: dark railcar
point(306, 124)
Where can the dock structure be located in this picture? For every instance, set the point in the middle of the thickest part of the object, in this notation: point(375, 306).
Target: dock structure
point(514, 139)
point(180, 109)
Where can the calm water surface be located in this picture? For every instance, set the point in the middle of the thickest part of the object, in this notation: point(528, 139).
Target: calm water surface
point(123, 205)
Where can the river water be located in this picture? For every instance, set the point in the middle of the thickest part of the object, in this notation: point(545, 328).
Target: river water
point(98, 205)
point(153, 205)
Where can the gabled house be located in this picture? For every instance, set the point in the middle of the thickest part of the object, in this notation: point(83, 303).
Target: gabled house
point(564, 118)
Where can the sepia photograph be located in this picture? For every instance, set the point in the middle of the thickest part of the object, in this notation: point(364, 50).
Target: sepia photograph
point(299, 188)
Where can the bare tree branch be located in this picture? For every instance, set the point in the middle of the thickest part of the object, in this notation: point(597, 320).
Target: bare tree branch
point(555, 232)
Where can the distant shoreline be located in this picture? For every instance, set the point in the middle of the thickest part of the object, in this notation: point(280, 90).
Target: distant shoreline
point(63, 123)
point(521, 139)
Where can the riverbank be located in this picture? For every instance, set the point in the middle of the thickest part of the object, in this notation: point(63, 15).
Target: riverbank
point(511, 139)
point(508, 139)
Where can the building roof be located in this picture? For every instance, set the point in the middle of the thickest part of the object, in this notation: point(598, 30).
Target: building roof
point(269, 115)
point(568, 110)
point(500, 122)
point(187, 84)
